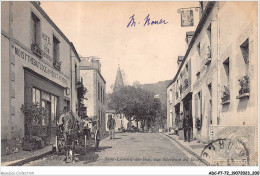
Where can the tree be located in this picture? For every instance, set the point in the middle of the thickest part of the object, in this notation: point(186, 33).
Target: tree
point(136, 104)
point(81, 96)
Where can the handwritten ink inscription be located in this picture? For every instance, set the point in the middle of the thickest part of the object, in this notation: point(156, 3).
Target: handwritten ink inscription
point(147, 21)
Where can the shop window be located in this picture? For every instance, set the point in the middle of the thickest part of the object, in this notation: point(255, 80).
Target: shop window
point(198, 105)
point(47, 101)
point(36, 96)
point(54, 100)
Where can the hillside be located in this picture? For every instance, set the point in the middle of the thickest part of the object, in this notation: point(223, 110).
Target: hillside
point(158, 88)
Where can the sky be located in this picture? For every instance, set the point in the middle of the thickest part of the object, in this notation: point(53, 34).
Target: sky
point(147, 54)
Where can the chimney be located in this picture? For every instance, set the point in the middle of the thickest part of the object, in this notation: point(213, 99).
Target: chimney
point(90, 63)
point(203, 5)
point(38, 3)
point(95, 64)
point(179, 60)
point(189, 36)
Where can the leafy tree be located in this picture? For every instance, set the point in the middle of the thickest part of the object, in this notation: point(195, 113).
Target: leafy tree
point(34, 115)
point(81, 96)
point(136, 104)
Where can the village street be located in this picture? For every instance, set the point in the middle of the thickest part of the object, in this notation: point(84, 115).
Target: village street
point(128, 149)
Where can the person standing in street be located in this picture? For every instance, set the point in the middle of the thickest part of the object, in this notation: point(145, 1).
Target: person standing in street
point(187, 128)
point(111, 124)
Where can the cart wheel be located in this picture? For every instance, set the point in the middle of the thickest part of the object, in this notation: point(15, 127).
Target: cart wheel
point(97, 139)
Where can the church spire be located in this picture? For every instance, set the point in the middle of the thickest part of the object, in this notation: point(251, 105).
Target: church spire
point(119, 79)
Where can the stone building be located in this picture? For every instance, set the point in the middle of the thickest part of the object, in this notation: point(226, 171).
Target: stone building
point(222, 81)
point(90, 71)
point(37, 65)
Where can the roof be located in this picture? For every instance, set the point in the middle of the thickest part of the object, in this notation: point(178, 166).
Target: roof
point(202, 21)
point(119, 79)
point(180, 58)
point(75, 51)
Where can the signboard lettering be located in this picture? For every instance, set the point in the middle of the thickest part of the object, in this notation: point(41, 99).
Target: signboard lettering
point(38, 64)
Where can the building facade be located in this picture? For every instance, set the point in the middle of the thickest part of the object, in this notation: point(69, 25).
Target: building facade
point(222, 81)
point(90, 71)
point(36, 68)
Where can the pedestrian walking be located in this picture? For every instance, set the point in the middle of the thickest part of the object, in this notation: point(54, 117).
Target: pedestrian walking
point(111, 124)
point(187, 125)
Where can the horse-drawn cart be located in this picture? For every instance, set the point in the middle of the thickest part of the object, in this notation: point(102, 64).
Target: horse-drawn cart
point(73, 131)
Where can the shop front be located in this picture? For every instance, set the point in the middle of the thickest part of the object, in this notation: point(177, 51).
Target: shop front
point(48, 95)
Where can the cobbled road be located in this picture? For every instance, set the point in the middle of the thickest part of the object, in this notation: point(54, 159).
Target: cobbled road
point(128, 149)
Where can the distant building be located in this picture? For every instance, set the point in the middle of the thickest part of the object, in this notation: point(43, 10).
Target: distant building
point(157, 96)
point(119, 80)
point(90, 71)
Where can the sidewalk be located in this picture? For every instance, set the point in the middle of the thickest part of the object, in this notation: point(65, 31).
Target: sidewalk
point(22, 157)
point(193, 147)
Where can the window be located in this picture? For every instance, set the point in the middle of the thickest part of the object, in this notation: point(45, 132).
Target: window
point(198, 74)
point(198, 105)
point(98, 92)
point(103, 96)
point(47, 101)
point(56, 53)
point(170, 96)
point(76, 73)
point(187, 67)
point(53, 110)
point(198, 48)
point(35, 37)
point(101, 92)
point(209, 34)
point(36, 96)
point(226, 67)
point(245, 53)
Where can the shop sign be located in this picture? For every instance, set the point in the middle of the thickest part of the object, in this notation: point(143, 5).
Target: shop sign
point(46, 70)
point(187, 19)
point(46, 47)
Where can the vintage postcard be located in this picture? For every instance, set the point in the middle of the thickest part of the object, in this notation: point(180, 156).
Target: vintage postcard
point(105, 83)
